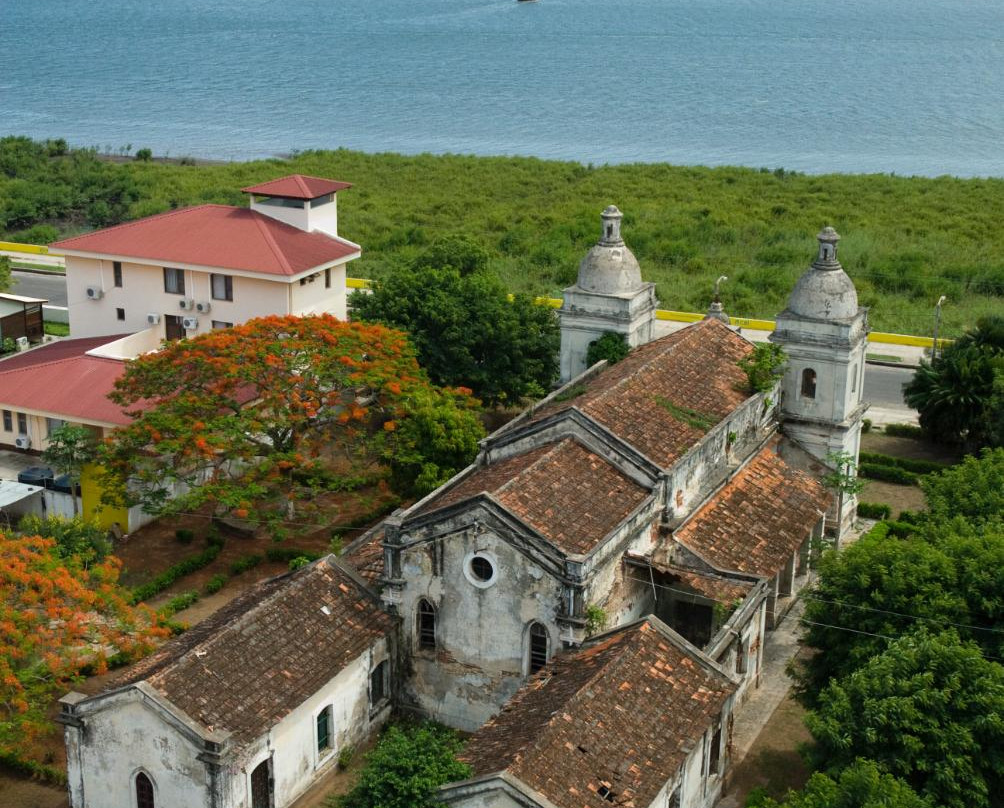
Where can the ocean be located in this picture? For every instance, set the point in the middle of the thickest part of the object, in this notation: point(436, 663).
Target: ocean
point(904, 86)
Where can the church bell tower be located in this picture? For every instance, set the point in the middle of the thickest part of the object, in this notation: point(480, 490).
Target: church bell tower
point(609, 295)
point(825, 334)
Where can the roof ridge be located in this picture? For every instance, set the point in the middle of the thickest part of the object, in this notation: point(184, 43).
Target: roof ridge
point(142, 220)
point(260, 221)
point(50, 362)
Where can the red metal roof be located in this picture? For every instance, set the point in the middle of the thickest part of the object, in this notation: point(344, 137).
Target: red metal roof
point(61, 379)
point(215, 236)
point(298, 186)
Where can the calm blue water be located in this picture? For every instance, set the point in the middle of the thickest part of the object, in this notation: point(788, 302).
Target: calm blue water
point(909, 86)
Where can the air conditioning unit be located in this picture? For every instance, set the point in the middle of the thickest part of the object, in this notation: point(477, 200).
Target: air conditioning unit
point(186, 304)
point(95, 293)
point(203, 307)
point(153, 318)
point(22, 343)
point(22, 442)
point(190, 323)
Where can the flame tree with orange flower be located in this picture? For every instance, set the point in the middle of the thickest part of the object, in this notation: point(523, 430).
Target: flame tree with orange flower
point(58, 616)
point(250, 418)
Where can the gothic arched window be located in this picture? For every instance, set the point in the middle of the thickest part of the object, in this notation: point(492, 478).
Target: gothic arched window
point(426, 625)
point(537, 651)
point(144, 791)
point(808, 383)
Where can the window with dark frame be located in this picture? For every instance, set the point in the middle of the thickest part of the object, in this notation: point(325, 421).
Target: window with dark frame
point(741, 653)
point(8, 421)
point(222, 287)
point(22, 423)
point(809, 383)
point(117, 273)
point(144, 791)
point(378, 685)
point(119, 314)
point(482, 568)
point(538, 647)
point(219, 324)
point(261, 786)
point(174, 281)
point(327, 278)
point(714, 759)
point(426, 625)
point(324, 731)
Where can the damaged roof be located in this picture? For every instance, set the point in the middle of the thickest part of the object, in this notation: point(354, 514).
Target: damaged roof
point(621, 714)
point(569, 494)
point(667, 394)
point(265, 653)
point(759, 518)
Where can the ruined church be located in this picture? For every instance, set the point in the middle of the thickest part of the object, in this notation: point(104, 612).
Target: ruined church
point(589, 598)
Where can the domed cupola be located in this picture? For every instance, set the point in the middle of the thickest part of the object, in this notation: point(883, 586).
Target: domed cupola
point(609, 295)
point(825, 292)
point(610, 268)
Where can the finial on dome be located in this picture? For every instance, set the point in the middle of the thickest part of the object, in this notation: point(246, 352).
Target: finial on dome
point(828, 238)
point(611, 236)
point(716, 311)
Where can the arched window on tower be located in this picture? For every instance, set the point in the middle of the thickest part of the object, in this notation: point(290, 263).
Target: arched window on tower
point(426, 625)
point(538, 647)
point(808, 383)
point(144, 791)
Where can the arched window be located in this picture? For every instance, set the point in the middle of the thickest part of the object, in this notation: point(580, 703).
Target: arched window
point(426, 625)
point(144, 791)
point(537, 648)
point(809, 383)
point(261, 786)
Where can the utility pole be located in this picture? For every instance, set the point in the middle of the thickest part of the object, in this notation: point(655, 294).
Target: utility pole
point(937, 325)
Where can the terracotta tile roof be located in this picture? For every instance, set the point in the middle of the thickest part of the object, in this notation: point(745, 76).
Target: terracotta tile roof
point(570, 495)
point(365, 554)
point(667, 394)
point(249, 665)
point(297, 186)
point(758, 519)
point(215, 236)
point(717, 587)
point(61, 379)
point(622, 713)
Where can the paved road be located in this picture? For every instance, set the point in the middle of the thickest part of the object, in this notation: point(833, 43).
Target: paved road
point(50, 287)
point(884, 386)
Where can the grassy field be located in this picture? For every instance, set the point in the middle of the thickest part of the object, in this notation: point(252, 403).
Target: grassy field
point(907, 240)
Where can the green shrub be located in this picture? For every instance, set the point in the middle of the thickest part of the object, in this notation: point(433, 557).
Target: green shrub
point(184, 535)
point(283, 553)
point(298, 562)
point(904, 431)
point(900, 530)
point(908, 463)
point(144, 155)
point(610, 346)
point(763, 366)
point(245, 563)
point(866, 425)
point(172, 574)
point(889, 474)
point(874, 510)
point(178, 603)
point(215, 584)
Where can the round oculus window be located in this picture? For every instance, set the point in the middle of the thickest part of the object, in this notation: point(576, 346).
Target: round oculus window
point(482, 569)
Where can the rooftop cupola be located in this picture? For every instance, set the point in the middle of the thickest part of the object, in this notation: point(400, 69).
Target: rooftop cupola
point(825, 292)
point(307, 203)
point(610, 268)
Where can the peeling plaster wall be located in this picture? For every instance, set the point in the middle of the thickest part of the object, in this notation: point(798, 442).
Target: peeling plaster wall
point(126, 737)
point(292, 743)
point(481, 631)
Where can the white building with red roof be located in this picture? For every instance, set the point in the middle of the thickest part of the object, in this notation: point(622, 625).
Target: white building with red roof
point(211, 266)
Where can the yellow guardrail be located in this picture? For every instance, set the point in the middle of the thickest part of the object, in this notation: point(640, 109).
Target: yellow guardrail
point(30, 249)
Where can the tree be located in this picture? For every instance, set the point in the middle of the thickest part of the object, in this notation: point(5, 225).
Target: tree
point(955, 393)
point(611, 346)
point(6, 279)
point(763, 365)
point(929, 709)
point(71, 447)
point(75, 538)
point(860, 785)
point(973, 490)
point(257, 416)
point(458, 252)
point(406, 767)
point(57, 616)
point(466, 331)
point(437, 439)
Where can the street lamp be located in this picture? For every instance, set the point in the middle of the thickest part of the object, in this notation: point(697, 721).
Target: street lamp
point(937, 324)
